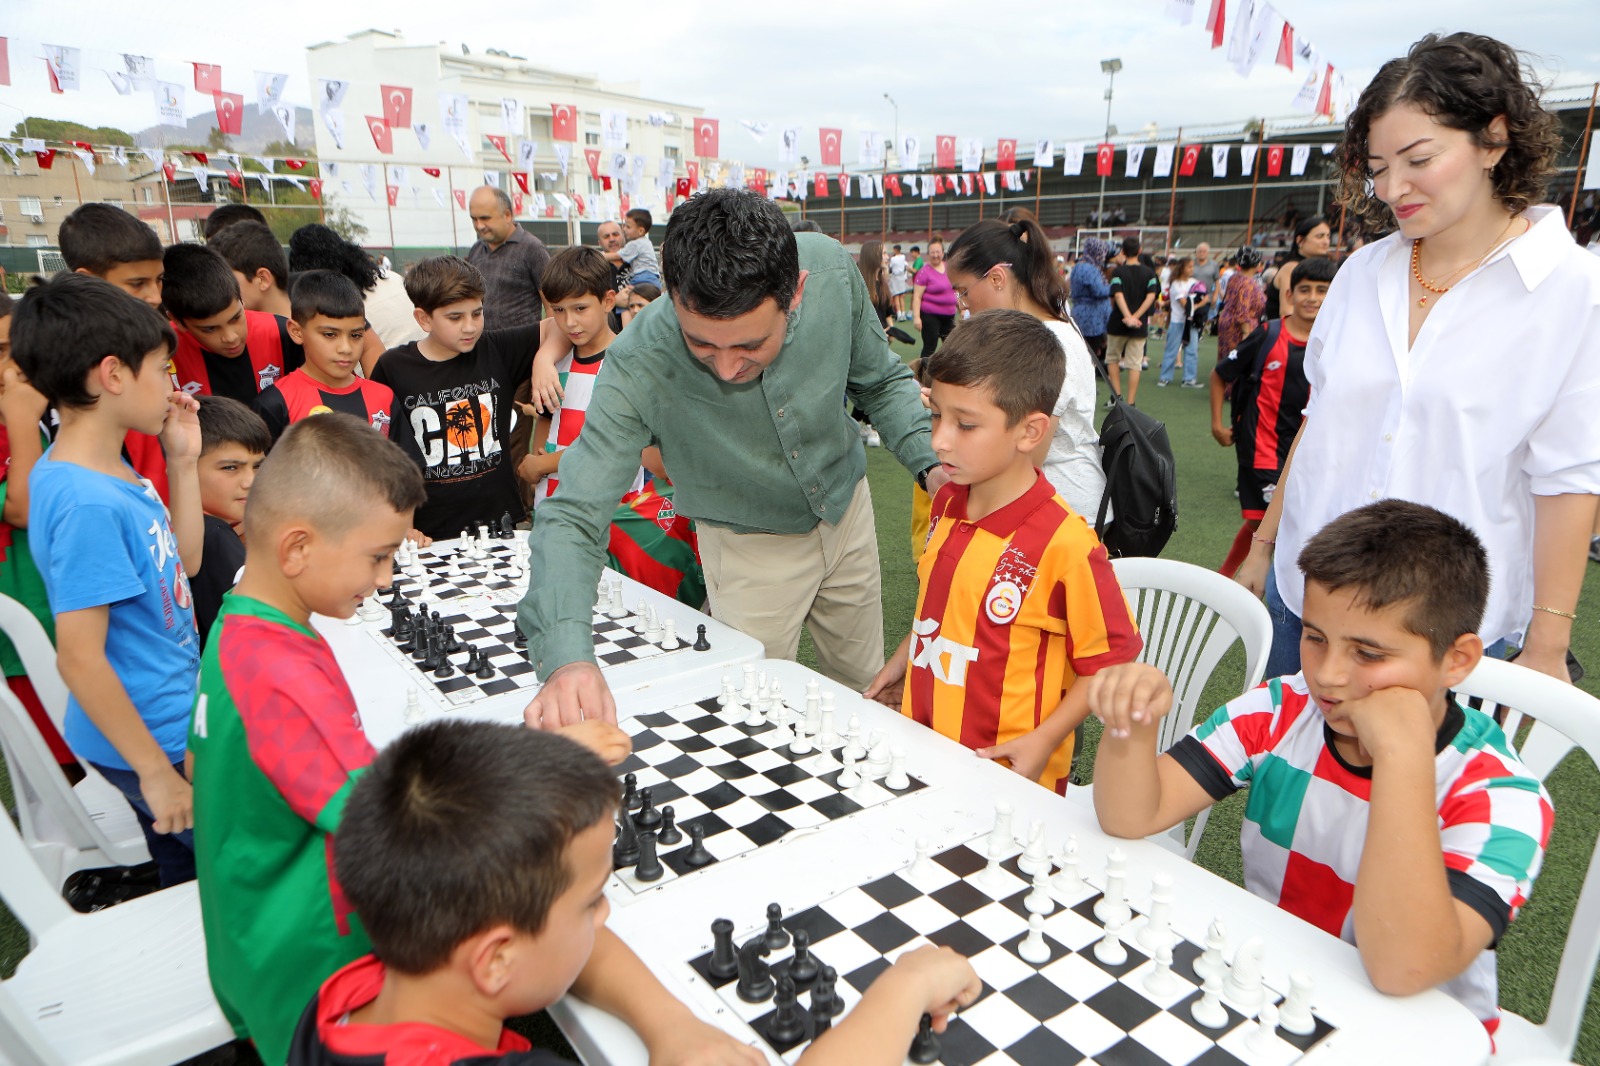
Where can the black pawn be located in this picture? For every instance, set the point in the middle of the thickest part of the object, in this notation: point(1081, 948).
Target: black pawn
point(625, 852)
point(444, 669)
point(648, 817)
point(434, 618)
point(521, 640)
point(788, 1024)
point(649, 866)
point(422, 648)
point(697, 855)
point(669, 833)
point(451, 644)
point(803, 967)
point(700, 641)
point(776, 936)
point(471, 665)
point(821, 1013)
point(485, 668)
point(755, 976)
point(825, 986)
point(925, 1046)
point(724, 960)
point(396, 597)
point(630, 792)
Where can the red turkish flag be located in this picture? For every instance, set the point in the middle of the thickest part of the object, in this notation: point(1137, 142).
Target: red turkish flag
point(1325, 97)
point(230, 112)
point(1274, 160)
point(822, 184)
point(396, 106)
point(577, 198)
point(1104, 156)
point(1214, 22)
point(831, 140)
point(944, 152)
point(1006, 156)
point(693, 167)
point(235, 179)
point(592, 157)
point(168, 171)
point(316, 188)
point(685, 188)
point(563, 122)
point(892, 183)
point(382, 135)
point(207, 77)
point(432, 172)
point(295, 164)
point(759, 178)
point(605, 182)
point(938, 184)
point(1286, 47)
point(516, 202)
point(521, 178)
point(200, 157)
point(394, 194)
point(706, 138)
point(461, 199)
point(46, 158)
point(85, 145)
point(1191, 157)
point(672, 201)
point(627, 203)
point(5, 62)
point(499, 142)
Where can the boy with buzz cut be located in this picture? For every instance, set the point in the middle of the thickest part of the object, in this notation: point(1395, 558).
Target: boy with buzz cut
point(1381, 810)
point(259, 265)
point(114, 565)
point(330, 325)
point(477, 855)
point(1267, 376)
point(233, 443)
point(454, 391)
point(223, 349)
point(1017, 600)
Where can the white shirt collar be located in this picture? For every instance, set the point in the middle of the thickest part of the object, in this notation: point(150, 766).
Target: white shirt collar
point(1535, 254)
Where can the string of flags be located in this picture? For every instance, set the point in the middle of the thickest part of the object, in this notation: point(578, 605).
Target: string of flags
point(1255, 29)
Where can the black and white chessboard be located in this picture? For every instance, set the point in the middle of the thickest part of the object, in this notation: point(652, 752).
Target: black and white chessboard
point(479, 597)
point(738, 782)
point(1071, 1009)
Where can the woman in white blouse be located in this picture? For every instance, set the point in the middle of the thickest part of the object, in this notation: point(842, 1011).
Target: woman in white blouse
point(1456, 362)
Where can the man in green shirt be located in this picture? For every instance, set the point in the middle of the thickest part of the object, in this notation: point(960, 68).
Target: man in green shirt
point(740, 379)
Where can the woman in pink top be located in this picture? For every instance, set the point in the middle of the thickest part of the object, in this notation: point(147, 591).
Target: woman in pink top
point(933, 300)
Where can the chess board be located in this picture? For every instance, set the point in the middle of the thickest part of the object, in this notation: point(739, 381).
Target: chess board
point(1071, 1009)
point(739, 782)
point(479, 597)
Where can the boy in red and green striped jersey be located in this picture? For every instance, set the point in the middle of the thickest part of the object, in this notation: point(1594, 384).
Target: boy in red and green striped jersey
point(1381, 810)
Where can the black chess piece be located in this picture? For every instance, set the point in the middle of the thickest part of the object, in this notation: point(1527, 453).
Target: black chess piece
point(508, 526)
point(826, 982)
point(669, 833)
point(434, 617)
point(648, 817)
point(396, 597)
point(803, 966)
point(471, 665)
point(422, 649)
point(697, 855)
point(925, 1045)
point(485, 668)
point(400, 624)
point(648, 867)
point(451, 644)
point(444, 668)
point(821, 1014)
point(521, 640)
point(630, 792)
point(788, 1024)
point(777, 936)
point(724, 960)
point(700, 641)
point(755, 976)
point(625, 851)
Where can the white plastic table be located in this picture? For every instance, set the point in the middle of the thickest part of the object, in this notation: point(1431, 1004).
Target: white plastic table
point(671, 925)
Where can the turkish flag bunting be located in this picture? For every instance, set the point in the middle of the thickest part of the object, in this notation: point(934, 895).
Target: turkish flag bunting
point(1191, 157)
point(207, 78)
point(295, 164)
point(563, 122)
point(685, 188)
point(759, 177)
point(626, 203)
point(592, 157)
point(168, 171)
point(1006, 155)
point(1325, 97)
point(1104, 156)
point(1286, 47)
point(230, 112)
point(1215, 21)
point(892, 183)
point(200, 157)
point(85, 145)
point(693, 167)
point(831, 140)
point(236, 179)
point(577, 198)
point(315, 184)
point(516, 202)
point(396, 105)
point(5, 62)
point(432, 172)
point(394, 194)
point(605, 182)
point(672, 201)
point(499, 142)
point(705, 137)
point(944, 152)
point(521, 178)
point(382, 135)
point(461, 199)
point(46, 158)
point(1274, 160)
point(821, 182)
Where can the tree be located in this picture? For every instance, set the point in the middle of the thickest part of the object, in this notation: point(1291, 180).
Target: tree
point(55, 129)
point(217, 141)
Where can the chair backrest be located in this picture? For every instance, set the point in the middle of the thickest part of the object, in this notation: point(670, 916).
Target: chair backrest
point(1563, 717)
point(38, 656)
point(23, 885)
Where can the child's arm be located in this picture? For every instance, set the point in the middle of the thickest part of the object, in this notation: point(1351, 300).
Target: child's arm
point(81, 657)
point(1029, 753)
point(544, 380)
point(651, 460)
point(1222, 434)
point(889, 686)
point(618, 982)
point(1137, 793)
point(929, 980)
point(180, 439)
point(539, 464)
point(21, 407)
point(1413, 933)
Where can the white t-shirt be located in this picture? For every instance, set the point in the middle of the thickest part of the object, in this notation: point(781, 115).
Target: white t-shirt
point(897, 275)
point(1178, 296)
point(391, 313)
point(1073, 463)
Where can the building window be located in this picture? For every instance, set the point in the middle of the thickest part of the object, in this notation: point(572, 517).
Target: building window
point(30, 205)
point(591, 139)
point(38, 240)
point(673, 152)
point(114, 203)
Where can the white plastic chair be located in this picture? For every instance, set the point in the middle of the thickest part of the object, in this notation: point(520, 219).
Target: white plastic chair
point(1189, 617)
point(1564, 717)
point(126, 985)
point(66, 828)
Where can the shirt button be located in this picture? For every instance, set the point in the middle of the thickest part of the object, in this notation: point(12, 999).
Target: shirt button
point(823, 509)
point(1388, 436)
point(1373, 495)
point(780, 412)
point(794, 455)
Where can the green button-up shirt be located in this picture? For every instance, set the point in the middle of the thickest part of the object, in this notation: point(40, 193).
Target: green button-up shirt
point(775, 455)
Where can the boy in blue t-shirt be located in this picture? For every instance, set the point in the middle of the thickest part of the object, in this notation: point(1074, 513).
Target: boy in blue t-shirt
point(113, 568)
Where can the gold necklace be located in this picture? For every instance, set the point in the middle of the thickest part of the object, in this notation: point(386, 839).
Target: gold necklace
point(1435, 286)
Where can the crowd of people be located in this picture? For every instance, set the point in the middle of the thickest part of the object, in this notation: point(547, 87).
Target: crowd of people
point(206, 445)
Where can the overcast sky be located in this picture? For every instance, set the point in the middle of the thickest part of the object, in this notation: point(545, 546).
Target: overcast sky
point(1026, 74)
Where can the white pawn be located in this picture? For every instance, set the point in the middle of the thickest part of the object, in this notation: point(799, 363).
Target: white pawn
point(1032, 947)
point(824, 763)
point(852, 732)
point(896, 780)
point(801, 744)
point(827, 737)
point(1038, 901)
point(1000, 840)
point(1208, 1010)
point(1067, 882)
point(727, 691)
point(994, 877)
point(848, 777)
point(1295, 1015)
point(669, 636)
point(372, 610)
point(753, 719)
point(921, 865)
point(863, 792)
point(1243, 986)
point(1161, 981)
point(1264, 1037)
point(1158, 928)
point(1035, 858)
point(1110, 950)
point(414, 712)
point(1211, 960)
point(780, 719)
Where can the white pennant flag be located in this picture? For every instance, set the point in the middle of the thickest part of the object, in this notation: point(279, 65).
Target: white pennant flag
point(789, 147)
point(333, 119)
point(331, 92)
point(613, 128)
point(120, 83)
point(1181, 11)
point(398, 174)
point(1219, 161)
point(86, 158)
point(910, 149)
point(1298, 159)
point(138, 71)
point(438, 197)
point(972, 154)
point(1044, 153)
point(988, 182)
point(264, 162)
point(1247, 159)
point(9, 149)
point(1135, 160)
point(757, 130)
point(563, 156)
point(331, 169)
point(1311, 88)
point(424, 132)
point(491, 178)
point(540, 204)
point(285, 116)
point(666, 171)
point(33, 144)
point(866, 186)
point(269, 90)
point(511, 115)
point(119, 155)
point(526, 151)
point(264, 179)
point(869, 151)
point(1163, 167)
point(1263, 36)
point(292, 180)
point(66, 64)
point(153, 155)
point(169, 103)
point(549, 175)
point(201, 178)
point(1072, 159)
point(1243, 14)
point(370, 177)
point(233, 160)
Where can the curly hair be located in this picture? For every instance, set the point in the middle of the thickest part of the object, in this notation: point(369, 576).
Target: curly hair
point(1463, 81)
point(316, 247)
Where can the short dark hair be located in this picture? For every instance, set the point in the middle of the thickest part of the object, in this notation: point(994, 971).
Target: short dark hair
point(576, 271)
point(199, 283)
point(224, 420)
point(248, 247)
point(97, 237)
point(727, 252)
point(1463, 81)
point(6, 304)
point(460, 826)
point(324, 292)
point(804, 225)
point(327, 469)
point(230, 214)
point(1010, 353)
point(651, 293)
point(442, 279)
point(316, 247)
point(64, 327)
point(1318, 268)
point(1130, 246)
point(1399, 552)
point(641, 218)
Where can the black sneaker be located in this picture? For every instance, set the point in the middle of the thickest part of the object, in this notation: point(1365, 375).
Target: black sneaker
point(1594, 550)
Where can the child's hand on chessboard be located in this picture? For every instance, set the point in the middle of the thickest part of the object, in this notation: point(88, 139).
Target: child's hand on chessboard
point(601, 737)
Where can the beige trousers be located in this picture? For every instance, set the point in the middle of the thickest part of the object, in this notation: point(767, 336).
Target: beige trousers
point(768, 584)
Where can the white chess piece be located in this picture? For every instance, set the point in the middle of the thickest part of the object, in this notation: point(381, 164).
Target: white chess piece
point(748, 692)
point(994, 877)
point(813, 707)
point(753, 718)
point(848, 776)
point(1161, 981)
point(780, 718)
point(864, 793)
point(616, 610)
point(763, 692)
point(1110, 949)
point(414, 712)
point(1158, 928)
point(1211, 960)
point(1038, 900)
point(1243, 985)
point(652, 628)
point(775, 694)
point(827, 737)
point(852, 732)
point(1208, 1011)
point(1000, 841)
point(414, 567)
point(824, 763)
point(801, 744)
point(1295, 1015)
point(1264, 1036)
point(372, 609)
point(641, 618)
point(1066, 881)
point(1114, 902)
point(727, 691)
point(1032, 947)
point(921, 865)
point(1035, 858)
point(897, 780)
point(878, 755)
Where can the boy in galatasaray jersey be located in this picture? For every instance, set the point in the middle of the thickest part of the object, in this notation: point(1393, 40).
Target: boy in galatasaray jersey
point(1017, 598)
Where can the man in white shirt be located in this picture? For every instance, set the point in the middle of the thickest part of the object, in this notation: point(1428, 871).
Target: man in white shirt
point(899, 285)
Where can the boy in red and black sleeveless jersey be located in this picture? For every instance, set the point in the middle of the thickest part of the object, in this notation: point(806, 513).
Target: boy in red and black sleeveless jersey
point(1269, 390)
point(329, 322)
point(223, 349)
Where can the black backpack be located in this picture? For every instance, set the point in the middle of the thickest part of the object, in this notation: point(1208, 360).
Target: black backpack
point(1141, 482)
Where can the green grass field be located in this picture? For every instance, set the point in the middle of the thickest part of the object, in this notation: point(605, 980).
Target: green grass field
point(1208, 518)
